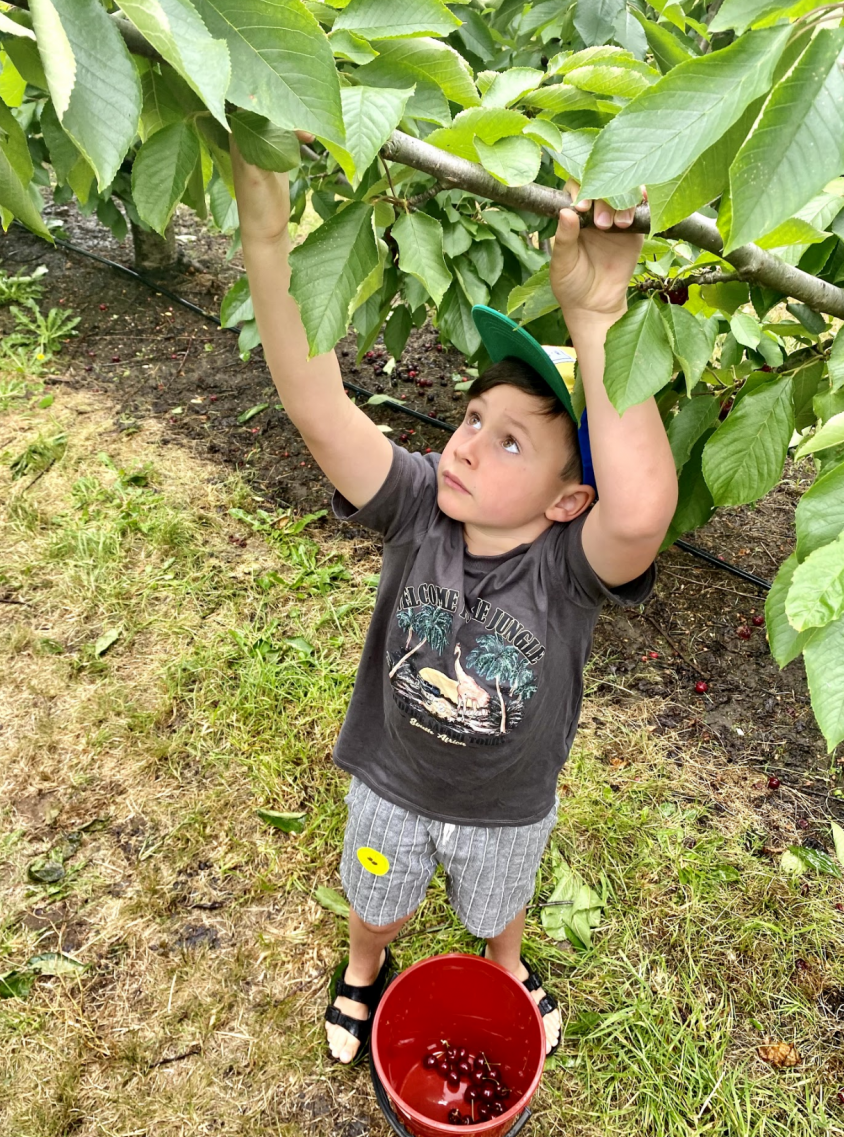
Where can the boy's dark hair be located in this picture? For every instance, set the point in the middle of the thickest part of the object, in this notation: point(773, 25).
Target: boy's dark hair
point(516, 373)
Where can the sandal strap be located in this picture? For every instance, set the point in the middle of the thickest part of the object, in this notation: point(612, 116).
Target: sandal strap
point(546, 1005)
point(358, 1028)
point(369, 996)
point(533, 981)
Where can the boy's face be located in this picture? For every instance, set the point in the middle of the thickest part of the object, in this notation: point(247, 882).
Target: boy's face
point(506, 456)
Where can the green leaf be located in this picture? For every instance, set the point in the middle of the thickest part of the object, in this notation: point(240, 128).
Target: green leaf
point(786, 643)
point(424, 62)
point(794, 149)
point(815, 859)
point(343, 251)
point(454, 319)
point(830, 434)
point(594, 20)
point(249, 414)
point(838, 838)
point(54, 963)
point(535, 295)
point(574, 151)
point(174, 29)
point(44, 871)
point(371, 114)
point(14, 194)
point(691, 341)
point(489, 124)
point(560, 100)
point(509, 86)
point(99, 106)
point(236, 305)
point(420, 241)
point(694, 501)
point(263, 143)
point(694, 417)
point(16, 984)
point(397, 330)
point(332, 900)
point(63, 152)
point(106, 640)
point(545, 133)
point(513, 161)
point(572, 907)
point(792, 232)
point(638, 356)
point(745, 456)
point(9, 27)
point(816, 596)
point(745, 329)
point(820, 512)
point(658, 135)
point(602, 79)
point(742, 14)
point(488, 259)
point(666, 48)
point(160, 173)
point(812, 321)
point(346, 45)
point(286, 822)
point(12, 83)
point(836, 363)
point(282, 63)
point(791, 864)
point(378, 19)
point(823, 656)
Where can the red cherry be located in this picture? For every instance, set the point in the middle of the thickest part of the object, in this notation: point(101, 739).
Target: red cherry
point(758, 621)
point(443, 1068)
point(744, 633)
point(801, 965)
point(471, 1093)
point(115, 359)
point(773, 783)
point(701, 687)
point(429, 1061)
point(104, 307)
point(840, 1097)
point(413, 374)
point(653, 655)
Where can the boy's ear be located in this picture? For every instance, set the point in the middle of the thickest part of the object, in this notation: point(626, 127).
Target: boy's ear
point(571, 504)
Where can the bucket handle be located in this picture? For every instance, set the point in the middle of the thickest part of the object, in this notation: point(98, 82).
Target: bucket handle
point(396, 1125)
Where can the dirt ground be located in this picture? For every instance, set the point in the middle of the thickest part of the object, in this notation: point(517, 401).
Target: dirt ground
point(156, 359)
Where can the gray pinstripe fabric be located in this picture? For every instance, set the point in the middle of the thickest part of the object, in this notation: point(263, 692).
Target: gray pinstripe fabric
point(490, 871)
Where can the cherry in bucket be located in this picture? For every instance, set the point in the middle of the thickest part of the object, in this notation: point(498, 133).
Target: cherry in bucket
point(485, 1092)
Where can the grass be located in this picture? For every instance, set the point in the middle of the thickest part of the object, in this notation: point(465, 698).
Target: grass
point(161, 681)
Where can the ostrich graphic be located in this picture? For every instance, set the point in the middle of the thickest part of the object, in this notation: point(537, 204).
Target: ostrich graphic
point(432, 624)
point(496, 659)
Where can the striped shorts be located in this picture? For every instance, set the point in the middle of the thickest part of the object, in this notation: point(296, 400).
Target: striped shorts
point(390, 855)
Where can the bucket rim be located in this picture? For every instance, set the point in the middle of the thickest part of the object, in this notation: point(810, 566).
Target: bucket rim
point(477, 961)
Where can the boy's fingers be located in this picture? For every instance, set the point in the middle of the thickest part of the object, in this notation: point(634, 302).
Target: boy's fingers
point(305, 136)
point(624, 217)
point(572, 188)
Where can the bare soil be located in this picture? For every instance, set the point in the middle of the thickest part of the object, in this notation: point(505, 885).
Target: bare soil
point(154, 358)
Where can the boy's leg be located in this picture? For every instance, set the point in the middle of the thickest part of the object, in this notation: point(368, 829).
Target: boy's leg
point(506, 950)
point(366, 957)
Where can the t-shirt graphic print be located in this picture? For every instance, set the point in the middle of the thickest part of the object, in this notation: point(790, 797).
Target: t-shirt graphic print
point(470, 682)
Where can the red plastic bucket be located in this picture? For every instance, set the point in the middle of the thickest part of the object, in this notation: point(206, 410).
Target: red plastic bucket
point(467, 1001)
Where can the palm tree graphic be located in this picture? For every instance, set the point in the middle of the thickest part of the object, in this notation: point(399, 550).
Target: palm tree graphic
point(432, 624)
point(494, 658)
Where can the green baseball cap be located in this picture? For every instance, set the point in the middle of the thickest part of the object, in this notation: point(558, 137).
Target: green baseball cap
point(504, 339)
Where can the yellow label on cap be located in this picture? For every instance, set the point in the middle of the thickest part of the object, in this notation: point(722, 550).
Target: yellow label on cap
point(373, 861)
point(563, 359)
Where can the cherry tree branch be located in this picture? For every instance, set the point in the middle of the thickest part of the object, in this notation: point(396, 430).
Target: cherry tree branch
point(751, 263)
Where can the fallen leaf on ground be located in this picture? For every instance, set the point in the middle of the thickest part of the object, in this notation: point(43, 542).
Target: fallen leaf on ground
point(779, 1054)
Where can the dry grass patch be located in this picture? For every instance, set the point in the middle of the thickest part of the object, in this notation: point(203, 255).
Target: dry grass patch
point(160, 680)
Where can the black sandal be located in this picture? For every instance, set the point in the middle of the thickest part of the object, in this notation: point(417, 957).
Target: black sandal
point(370, 997)
point(546, 1004)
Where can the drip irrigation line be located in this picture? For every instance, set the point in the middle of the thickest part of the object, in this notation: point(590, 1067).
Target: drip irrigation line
point(711, 559)
point(694, 550)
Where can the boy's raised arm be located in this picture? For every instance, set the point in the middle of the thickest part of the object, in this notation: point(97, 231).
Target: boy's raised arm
point(351, 451)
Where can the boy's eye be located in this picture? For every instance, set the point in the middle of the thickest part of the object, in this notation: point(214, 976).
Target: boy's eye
point(510, 443)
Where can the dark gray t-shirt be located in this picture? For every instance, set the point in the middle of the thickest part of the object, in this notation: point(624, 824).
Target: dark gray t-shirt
point(469, 688)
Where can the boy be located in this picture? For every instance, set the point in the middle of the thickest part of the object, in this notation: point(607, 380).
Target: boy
point(496, 563)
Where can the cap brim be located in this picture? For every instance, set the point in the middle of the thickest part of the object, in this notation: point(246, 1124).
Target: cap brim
point(504, 339)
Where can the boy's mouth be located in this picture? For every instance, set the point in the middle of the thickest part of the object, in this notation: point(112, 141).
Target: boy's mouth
point(454, 483)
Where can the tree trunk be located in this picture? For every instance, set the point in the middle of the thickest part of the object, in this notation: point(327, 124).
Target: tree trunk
point(406, 657)
point(503, 729)
point(154, 253)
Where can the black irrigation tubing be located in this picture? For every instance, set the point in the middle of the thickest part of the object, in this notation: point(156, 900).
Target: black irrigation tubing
point(694, 550)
